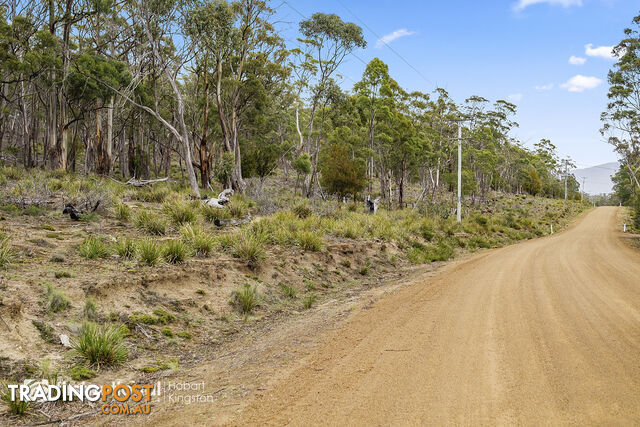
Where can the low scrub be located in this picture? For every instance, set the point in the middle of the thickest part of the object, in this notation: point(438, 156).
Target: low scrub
point(440, 251)
point(101, 345)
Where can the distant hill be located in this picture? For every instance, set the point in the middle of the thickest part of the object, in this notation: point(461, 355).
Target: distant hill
point(597, 178)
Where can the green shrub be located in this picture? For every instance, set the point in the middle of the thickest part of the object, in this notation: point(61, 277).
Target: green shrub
point(364, 268)
point(167, 332)
point(125, 247)
point(145, 319)
point(47, 227)
point(56, 301)
point(226, 241)
point(150, 222)
point(175, 251)
point(167, 364)
point(479, 242)
point(80, 373)
point(148, 252)
point(427, 229)
point(440, 251)
point(163, 315)
point(62, 274)
point(122, 211)
point(636, 212)
point(184, 334)
point(246, 298)
point(93, 248)
point(180, 213)
point(101, 345)
point(310, 241)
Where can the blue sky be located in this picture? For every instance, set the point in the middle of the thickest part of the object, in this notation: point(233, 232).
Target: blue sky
point(518, 50)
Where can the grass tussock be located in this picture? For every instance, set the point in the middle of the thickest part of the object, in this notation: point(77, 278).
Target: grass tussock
point(14, 407)
point(101, 345)
point(56, 301)
point(148, 252)
point(94, 247)
point(200, 242)
point(7, 254)
point(122, 211)
point(125, 248)
point(180, 213)
point(175, 251)
point(245, 299)
point(310, 241)
point(150, 222)
point(249, 247)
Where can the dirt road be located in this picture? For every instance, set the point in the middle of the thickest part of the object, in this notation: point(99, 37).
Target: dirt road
point(543, 332)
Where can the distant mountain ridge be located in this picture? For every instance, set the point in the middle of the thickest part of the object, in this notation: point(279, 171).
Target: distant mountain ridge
point(597, 179)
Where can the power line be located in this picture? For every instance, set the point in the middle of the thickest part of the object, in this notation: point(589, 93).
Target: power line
point(364, 24)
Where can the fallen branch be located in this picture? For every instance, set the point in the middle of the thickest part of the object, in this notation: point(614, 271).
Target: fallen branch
point(74, 213)
point(232, 222)
point(145, 182)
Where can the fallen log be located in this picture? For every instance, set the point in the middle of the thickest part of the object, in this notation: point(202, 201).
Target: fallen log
point(222, 199)
point(232, 222)
point(145, 182)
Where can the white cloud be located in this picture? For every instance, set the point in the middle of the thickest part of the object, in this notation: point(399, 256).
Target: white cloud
point(576, 60)
point(523, 4)
point(386, 39)
point(600, 51)
point(545, 87)
point(515, 97)
point(580, 83)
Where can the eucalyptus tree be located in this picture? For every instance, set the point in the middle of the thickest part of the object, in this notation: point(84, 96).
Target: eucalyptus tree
point(243, 47)
point(327, 41)
point(370, 91)
point(622, 117)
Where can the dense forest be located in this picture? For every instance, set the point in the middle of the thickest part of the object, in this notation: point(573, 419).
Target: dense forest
point(208, 91)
